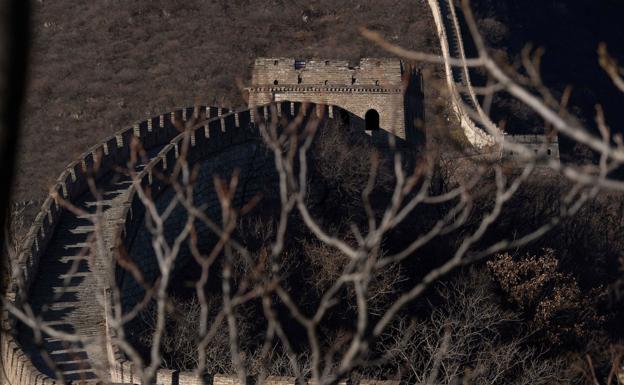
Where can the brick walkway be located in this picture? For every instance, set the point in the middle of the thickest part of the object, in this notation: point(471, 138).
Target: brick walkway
point(67, 292)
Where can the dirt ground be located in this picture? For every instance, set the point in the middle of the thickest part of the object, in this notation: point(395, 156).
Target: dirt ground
point(99, 66)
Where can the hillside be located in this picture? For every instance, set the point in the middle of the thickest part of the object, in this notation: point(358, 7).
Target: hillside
point(305, 244)
point(100, 66)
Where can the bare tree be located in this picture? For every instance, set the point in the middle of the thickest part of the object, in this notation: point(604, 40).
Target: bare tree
point(463, 340)
point(354, 269)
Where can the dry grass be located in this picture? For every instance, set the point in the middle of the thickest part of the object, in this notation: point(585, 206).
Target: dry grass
point(100, 66)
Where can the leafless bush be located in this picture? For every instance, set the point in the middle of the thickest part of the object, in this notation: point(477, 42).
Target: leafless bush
point(493, 30)
point(341, 155)
point(551, 298)
point(251, 312)
point(181, 336)
point(15, 233)
point(469, 338)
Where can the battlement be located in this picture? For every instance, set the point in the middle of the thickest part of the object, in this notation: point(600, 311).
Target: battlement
point(373, 89)
point(368, 73)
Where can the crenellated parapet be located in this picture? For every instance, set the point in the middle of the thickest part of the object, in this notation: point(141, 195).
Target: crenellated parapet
point(98, 160)
point(215, 130)
point(374, 89)
point(213, 137)
point(209, 142)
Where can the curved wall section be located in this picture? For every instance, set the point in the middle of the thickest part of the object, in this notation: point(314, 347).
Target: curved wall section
point(226, 140)
point(226, 143)
point(446, 24)
point(72, 183)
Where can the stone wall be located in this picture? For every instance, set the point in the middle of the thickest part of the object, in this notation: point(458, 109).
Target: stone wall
point(222, 131)
point(376, 84)
point(483, 134)
point(224, 143)
point(114, 150)
point(219, 137)
point(479, 138)
point(17, 369)
point(545, 147)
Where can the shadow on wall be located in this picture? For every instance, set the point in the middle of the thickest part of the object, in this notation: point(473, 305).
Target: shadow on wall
point(258, 176)
point(254, 159)
point(414, 100)
point(370, 126)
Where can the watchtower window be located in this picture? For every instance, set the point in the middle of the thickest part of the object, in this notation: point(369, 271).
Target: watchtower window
point(352, 79)
point(275, 82)
point(372, 120)
point(276, 62)
point(326, 62)
point(299, 79)
point(548, 151)
point(300, 64)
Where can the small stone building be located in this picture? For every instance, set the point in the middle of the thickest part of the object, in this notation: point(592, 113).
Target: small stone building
point(382, 92)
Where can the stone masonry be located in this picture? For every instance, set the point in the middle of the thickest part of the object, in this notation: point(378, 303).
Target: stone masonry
point(373, 84)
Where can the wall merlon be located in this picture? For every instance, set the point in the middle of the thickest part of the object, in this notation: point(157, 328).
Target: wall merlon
point(119, 140)
point(63, 190)
point(280, 380)
point(224, 379)
point(378, 382)
point(98, 152)
point(163, 162)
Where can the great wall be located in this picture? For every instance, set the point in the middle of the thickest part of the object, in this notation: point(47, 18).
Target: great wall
point(72, 292)
point(76, 297)
point(483, 134)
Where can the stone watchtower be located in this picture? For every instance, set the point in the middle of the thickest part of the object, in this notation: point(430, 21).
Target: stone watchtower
point(379, 91)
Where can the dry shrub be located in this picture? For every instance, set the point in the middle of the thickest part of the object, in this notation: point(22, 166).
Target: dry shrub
point(15, 233)
point(468, 338)
point(326, 264)
point(493, 30)
point(180, 340)
point(343, 160)
point(181, 335)
point(550, 298)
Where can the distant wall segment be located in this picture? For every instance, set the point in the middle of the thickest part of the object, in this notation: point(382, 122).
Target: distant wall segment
point(484, 134)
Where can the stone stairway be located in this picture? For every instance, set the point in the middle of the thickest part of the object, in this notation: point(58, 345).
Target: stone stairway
point(67, 293)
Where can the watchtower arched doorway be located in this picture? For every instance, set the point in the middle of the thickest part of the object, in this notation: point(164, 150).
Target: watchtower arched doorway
point(372, 120)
